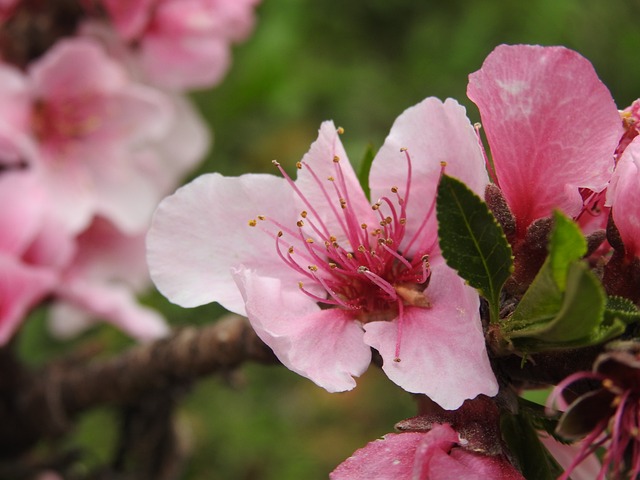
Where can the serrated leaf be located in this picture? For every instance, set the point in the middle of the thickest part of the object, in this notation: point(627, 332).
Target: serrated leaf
point(534, 459)
point(472, 241)
point(566, 245)
point(365, 168)
point(622, 309)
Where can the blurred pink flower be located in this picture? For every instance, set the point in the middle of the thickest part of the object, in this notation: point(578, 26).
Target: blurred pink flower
point(552, 128)
point(100, 283)
point(22, 284)
point(89, 120)
point(324, 276)
point(439, 454)
point(183, 43)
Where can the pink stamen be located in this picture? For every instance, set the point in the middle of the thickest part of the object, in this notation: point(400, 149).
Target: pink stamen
point(399, 332)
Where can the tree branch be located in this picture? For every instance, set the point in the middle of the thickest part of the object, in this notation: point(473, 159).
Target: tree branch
point(47, 400)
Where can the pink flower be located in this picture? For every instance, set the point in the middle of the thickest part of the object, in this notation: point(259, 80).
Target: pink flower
point(606, 412)
point(183, 43)
point(439, 454)
point(322, 275)
point(100, 282)
point(565, 455)
point(89, 119)
point(552, 127)
point(22, 285)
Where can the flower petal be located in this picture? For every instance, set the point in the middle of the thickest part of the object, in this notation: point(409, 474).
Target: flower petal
point(624, 196)
point(323, 345)
point(319, 160)
point(551, 124)
point(201, 231)
point(442, 348)
point(432, 132)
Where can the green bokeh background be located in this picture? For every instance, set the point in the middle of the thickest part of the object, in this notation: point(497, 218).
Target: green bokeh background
point(360, 64)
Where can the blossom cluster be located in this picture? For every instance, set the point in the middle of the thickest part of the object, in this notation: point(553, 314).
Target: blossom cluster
point(330, 279)
point(94, 130)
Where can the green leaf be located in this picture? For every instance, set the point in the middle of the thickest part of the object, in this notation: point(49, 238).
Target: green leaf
point(547, 319)
point(534, 459)
point(566, 245)
point(472, 241)
point(365, 168)
point(622, 309)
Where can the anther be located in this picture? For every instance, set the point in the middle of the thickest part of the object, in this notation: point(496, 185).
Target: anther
point(397, 360)
point(363, 226)
point(332, 265)
point(362, 269)
point(340, 130)
point(252, 223)
point(299, 165)
point(443, 164)
point(331, 179)
point(361, 249)
point(403, 149)
point(275, 162)
point(313, 268)
point(402, 221)
point(303, 214)
point(336, 159)
point(394, 189)
point(309, 240)
point(300, 223)
point(262, 217)
point(280, 233)
point(290, 250)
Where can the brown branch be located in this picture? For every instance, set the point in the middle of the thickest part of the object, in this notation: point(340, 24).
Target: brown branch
point(47, 401)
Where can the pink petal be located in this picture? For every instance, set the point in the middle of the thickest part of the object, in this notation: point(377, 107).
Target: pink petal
point(320, 160)
point(73, 66)
point(24, 200)
point(323, 345)
point(432, 132)
point(624, 197)
point(588, 469)
point(551, 124)
point(113, 303)
point(15, 107)
point(442, 348)
point(184, 63)
point(129, 17)
point(199, 233)
point(390, 458)
point(21, 288)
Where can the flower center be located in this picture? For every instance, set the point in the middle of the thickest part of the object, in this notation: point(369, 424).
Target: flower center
point(359, 267)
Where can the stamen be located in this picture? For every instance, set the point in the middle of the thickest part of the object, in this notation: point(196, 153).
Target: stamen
point(399, 331)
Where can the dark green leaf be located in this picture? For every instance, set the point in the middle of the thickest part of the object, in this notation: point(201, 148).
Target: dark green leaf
point(472, 241)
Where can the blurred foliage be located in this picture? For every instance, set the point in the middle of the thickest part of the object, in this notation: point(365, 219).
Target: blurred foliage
point(360, 64)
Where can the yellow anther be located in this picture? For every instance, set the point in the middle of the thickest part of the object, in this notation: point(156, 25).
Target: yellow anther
point(331, 179)
point(313, 268)
point(298, 165)
point(280, 233)
point(389, 241)
point(361, 249)
point(363, 226)
point(443, 164)
point(333, 239)
point(350, 256)
point(388, 220)
point(394, 189)
point(262, 217)
point(300, 223)
point(402, 221)
point(275, 162)
point(300, 284)
point(403, 149)
point(303, 214)
point(336, 159)
point(252, 223)
point(340, 130)
point(332, 265)
point(290, 250)
point(309, 240)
